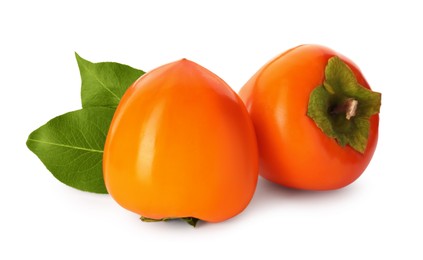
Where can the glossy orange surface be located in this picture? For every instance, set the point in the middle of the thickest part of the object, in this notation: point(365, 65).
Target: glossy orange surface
point(181, 144)
point(293, 151)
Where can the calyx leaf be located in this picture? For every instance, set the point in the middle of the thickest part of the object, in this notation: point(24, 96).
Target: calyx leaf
point(189, 220)
point(330, 103)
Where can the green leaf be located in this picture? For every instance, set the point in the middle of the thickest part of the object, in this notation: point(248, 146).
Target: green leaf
point(104, 83)
point(71, 147)
point(331, 105)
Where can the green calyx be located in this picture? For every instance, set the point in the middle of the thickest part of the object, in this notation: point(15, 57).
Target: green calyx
point(342, 108)
point(189, 220)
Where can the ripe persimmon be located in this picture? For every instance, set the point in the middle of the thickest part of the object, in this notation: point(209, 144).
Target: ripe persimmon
point(315, 117)
point(181, 145)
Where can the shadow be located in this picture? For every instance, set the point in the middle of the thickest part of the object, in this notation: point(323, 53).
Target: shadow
point(272, 197)
point(269, 195)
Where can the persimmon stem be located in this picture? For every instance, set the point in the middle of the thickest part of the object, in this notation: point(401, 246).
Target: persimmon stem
point(349, 107)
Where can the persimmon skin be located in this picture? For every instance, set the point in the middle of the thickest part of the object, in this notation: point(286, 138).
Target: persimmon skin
point(181, 144)
point(293, 151)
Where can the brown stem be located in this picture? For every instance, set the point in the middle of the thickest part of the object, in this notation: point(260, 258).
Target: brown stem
point(349, 107)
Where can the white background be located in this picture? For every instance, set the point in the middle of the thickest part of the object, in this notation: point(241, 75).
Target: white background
point(378, 216)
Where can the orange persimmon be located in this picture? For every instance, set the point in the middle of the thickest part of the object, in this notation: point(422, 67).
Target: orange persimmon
point(315, 117)
point(181, 145)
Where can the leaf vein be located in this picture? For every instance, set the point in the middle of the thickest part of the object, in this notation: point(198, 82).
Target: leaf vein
point(67, 146)
point(101, 83)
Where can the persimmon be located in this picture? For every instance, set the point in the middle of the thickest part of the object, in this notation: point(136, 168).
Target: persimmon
point(181, 145)
point(315, 116)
